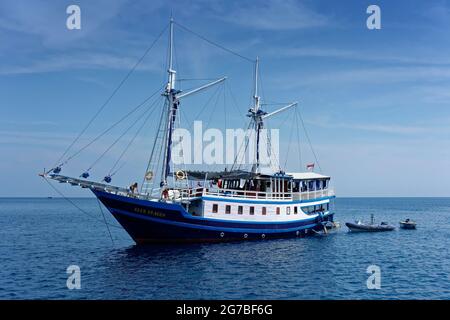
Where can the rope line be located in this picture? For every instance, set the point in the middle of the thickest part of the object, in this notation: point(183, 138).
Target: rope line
point(112, 126)
point(104, 219)
point(244, 142)
point(214, 43)
point(298, 139)
point(213, 95)
point(111, 96)
point(309, 142)
point(130, 143)
point(289, 145)
point(76, 206)
point(122, 135)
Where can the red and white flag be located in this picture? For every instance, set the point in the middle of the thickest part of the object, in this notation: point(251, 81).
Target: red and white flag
point(310, 166)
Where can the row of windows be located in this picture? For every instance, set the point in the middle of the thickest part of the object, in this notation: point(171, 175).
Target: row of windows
point(240, 209)
point(316, 208)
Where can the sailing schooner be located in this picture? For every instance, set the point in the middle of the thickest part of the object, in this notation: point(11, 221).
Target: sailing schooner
point(230, 205)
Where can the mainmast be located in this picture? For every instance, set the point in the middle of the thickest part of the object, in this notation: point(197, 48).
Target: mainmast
point(256, 113)
point(259, 115)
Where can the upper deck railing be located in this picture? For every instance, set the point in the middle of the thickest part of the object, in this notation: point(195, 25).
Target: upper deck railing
point(180, 194)
point(244, 194)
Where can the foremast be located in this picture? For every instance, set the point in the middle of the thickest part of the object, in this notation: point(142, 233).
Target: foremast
point(172, 103)
point(173, 97)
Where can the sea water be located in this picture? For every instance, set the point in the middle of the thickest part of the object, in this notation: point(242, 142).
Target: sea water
point(41, 238)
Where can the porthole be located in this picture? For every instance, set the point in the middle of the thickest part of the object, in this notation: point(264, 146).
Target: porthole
point(222, 234)
point(245, 236)
point(263, 236)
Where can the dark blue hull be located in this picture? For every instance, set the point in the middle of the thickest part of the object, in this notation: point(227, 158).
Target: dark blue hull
point(158, 222)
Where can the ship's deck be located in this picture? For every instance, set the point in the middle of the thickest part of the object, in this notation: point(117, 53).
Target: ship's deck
point(189, 194)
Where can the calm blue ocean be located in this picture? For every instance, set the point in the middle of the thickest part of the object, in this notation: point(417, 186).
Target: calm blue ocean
point(40, 238)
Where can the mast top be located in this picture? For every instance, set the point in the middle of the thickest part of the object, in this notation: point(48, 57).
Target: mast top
point(256, 97)
point(171, 71)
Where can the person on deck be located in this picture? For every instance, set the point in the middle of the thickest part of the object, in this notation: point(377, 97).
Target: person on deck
point(134, 188)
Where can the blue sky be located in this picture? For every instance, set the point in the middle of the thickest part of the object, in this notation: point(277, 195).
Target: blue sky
point(375, 102)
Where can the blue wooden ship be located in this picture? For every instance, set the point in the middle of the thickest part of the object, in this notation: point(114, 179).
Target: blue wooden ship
point(232, 205)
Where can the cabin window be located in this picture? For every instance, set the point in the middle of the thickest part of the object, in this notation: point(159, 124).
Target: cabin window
point(215, 208)
point(306, 210)
point(264, 212)
point(295, 210)
point(252, 210)
point(288, 210)
point(313, 209)
point(240, 209)
point(227, 209)
point(304, 187)
point(278, 210)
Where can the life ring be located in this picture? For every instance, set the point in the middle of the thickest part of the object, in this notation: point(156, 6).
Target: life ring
point(180, 175)
point(149, 175)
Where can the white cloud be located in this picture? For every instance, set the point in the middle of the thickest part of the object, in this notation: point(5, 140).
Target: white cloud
point(357, 55)
point(372, 75)
point(275, 15)
point(81, 61)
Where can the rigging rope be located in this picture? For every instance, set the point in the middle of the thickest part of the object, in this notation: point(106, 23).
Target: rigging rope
point(269, 149)
point(214, 43)
point(244, 142)
point(112, 126)
point(159, 131)
point(121, 136)
point(298, 139)
point(309, 142)
point(75, 205)
point(104, 219)
point(289, 145)
point(215, 105)
point(204, 106)
point(111, 96)
point(111, 173)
